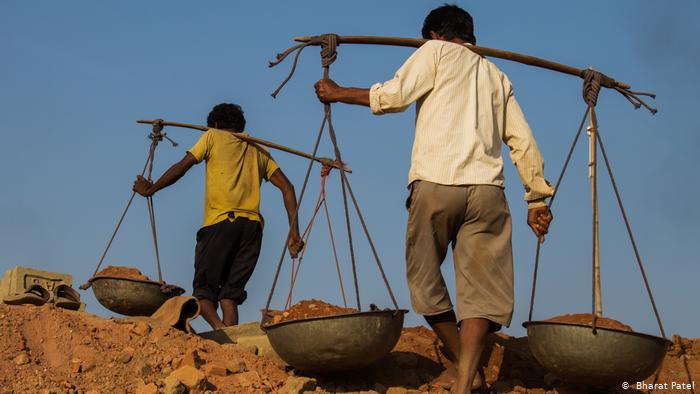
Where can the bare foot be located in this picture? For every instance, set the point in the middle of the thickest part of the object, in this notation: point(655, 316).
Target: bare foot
point(448, 378)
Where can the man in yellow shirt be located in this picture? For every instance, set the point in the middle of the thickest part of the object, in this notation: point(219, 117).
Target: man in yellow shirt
point(228, 244)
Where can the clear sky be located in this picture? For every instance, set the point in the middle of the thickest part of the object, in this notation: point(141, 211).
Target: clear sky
point(74, 76)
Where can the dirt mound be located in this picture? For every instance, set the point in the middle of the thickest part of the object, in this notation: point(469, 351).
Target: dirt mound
point(308, 308)
point(45, 349)
point(114, 271)
point(587, 319)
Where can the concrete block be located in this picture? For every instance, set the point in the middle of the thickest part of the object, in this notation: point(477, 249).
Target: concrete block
point(17, 280)
point(233, 333)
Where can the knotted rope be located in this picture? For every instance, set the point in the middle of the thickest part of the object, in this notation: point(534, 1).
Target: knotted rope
point(593, 80)
point(328, 43)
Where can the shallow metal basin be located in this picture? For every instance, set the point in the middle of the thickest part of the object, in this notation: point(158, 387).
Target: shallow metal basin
point(607, 358)
point(336, 343)
point(132, 297)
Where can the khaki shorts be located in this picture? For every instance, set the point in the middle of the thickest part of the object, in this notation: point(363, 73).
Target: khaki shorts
point(475, 219)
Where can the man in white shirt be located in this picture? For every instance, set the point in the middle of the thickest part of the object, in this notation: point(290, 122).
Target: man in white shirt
point(465, 107)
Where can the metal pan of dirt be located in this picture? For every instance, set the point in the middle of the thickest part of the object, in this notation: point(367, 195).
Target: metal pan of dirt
point(337, 343)
point(607, 357)
point(132, 297)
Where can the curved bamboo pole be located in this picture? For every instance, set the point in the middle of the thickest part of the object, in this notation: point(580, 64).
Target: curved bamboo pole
point(484, 51)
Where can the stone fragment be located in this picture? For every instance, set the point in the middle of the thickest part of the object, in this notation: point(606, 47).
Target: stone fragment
point(246, 379)
point(297, 385)
point(150, 388)
point(695, 347)
point(190, 377)
point(396, 390)
point(22, 359)
point(214, 368)
point(192, 359)
point(124, 357)
point(141, 328)
point(76, 366)
point(236, 367)
point(144, 369)
point(519, 389)
point(172, 386)
point(87, 366)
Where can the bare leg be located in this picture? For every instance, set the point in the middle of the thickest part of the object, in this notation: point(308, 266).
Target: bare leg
point(208, 309)
point(230, 311)
point(472, 335)
point(445, 326)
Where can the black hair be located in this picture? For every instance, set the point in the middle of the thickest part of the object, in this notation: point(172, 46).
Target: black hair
point(227, 116)
point(450, 21)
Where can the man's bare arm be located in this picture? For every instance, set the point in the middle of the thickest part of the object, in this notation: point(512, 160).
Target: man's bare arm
point(330, 92)
point(145, 188)
point(294, 243)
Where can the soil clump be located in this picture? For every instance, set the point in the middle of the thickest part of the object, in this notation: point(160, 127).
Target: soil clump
point(115, 271)
point(587, 319)
point(308, 308)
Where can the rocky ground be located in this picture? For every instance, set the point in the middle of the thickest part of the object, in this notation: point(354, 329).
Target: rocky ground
point(49, 350)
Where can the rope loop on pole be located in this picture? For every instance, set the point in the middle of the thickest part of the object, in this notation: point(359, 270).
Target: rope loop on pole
point(592, 81)
point(328, 43)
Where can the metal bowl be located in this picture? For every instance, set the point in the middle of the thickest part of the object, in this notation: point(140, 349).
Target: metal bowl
point(338, 343)
point(607, 358)
point(132, 297)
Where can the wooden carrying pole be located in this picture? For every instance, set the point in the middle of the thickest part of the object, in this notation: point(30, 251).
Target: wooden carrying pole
point(484, 51)
point(253, 140)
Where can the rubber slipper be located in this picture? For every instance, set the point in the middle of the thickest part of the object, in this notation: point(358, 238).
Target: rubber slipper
point(34, 295)
point(66, 297)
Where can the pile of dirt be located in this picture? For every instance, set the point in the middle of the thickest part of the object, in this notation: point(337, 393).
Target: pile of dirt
point(115, 271)
point(52, 350)
point(308, 308)
point(587, 319)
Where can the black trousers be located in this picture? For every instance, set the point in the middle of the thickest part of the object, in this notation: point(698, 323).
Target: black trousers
point(224, 259)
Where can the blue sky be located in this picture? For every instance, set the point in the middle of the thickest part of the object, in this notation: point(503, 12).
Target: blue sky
point(74, 77)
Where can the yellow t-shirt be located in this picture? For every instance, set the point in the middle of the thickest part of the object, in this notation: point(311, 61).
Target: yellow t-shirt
point(235, 170)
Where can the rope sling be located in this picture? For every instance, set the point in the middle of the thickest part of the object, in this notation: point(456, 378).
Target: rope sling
point(592, 82)
point(328, 43)
point(156, 137)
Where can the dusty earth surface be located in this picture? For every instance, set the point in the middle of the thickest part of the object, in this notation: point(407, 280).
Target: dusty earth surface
point(50, 350)
point(587, 319)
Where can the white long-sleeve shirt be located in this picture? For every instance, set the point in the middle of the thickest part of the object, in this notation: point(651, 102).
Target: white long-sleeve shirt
point(465, 108)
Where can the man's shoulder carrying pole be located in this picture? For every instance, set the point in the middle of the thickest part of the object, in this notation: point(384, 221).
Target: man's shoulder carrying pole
point(254, 141)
